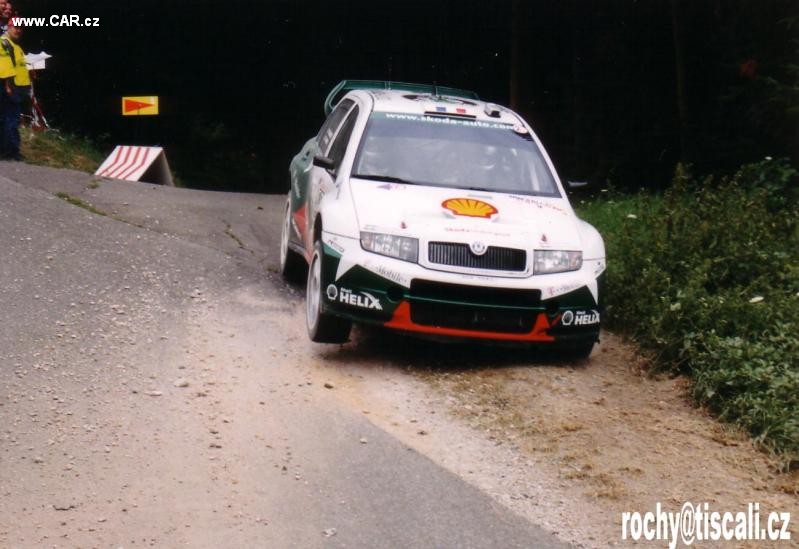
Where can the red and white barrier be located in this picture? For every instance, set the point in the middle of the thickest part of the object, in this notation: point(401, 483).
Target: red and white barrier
point(134, 163)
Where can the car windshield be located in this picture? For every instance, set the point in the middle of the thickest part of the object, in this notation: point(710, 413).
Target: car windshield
point(452, 152)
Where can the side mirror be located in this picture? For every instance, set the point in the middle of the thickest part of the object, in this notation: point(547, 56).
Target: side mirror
point(323, 162)
point(572, 185)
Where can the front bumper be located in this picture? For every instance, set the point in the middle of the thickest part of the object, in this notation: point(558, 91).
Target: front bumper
point(551, 309)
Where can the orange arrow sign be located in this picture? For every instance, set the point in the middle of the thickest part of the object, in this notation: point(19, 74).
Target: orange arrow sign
point(132, 106)
point(135, 105)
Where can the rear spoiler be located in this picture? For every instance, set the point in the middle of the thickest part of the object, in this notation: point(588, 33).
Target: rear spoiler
point(348, 85)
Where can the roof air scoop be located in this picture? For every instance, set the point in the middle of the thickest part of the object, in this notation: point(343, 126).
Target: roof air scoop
point(493, 110)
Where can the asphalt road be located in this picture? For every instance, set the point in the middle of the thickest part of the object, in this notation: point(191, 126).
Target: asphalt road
point(151, 392)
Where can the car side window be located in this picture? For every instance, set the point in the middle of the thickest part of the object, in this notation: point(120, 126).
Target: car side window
point(332, 123)
point(339, 147)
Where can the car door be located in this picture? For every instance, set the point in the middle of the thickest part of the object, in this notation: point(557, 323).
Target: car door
point(323, 180)
point(303, 174)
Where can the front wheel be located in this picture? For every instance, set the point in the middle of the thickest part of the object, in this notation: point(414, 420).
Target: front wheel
point(322, 327)
point(578, 351)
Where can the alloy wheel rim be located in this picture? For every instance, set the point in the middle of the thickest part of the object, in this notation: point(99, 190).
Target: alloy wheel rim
point(312, 292)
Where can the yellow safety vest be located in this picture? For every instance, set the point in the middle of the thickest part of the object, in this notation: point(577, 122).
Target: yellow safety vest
point(7, 69)
point(19, 70)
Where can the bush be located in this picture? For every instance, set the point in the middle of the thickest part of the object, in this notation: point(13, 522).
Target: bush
point(707, 276)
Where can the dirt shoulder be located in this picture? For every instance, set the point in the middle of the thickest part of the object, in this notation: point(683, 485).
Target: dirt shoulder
point(569, 446)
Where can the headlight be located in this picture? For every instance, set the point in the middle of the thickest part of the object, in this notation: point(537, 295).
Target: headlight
point(391, 245)
point(551, 261)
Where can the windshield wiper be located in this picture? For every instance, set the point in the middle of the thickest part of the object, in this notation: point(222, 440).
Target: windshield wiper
point(480, 189)
point(386, 178)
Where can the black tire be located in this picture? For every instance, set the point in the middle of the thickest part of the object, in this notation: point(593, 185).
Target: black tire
point(579, 351)
point(322, 327)
point(292, 264)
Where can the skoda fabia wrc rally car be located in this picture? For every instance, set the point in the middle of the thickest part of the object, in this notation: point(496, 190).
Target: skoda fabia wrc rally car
point(426, 210)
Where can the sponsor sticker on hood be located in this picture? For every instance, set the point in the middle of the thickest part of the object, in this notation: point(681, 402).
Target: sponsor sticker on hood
point(469, 207)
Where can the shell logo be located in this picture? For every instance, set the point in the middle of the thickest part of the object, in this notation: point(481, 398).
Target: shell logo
point(469, 207)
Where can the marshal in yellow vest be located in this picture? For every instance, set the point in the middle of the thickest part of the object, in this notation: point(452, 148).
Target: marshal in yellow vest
point(13, 63)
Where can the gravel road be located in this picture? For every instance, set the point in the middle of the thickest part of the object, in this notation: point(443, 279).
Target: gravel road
point(155, 388)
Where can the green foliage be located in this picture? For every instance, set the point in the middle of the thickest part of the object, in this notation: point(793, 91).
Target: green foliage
point(707, 276)
point(211, 156)
point(60, 150)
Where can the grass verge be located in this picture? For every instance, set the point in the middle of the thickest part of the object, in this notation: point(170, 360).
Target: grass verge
point(707, 277)
point(56, 150)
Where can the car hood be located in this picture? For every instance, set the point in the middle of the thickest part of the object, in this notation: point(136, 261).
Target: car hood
point(457, 215)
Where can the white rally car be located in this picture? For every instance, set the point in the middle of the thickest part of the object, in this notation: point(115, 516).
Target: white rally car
point(426, 210)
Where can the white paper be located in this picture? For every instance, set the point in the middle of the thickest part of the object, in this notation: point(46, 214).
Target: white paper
point(36, 61)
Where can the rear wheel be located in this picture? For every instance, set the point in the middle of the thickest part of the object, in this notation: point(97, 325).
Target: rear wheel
point(322, 327)
point(292, 264)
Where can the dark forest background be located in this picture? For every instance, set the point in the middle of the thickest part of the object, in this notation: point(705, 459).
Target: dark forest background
point(619, 91)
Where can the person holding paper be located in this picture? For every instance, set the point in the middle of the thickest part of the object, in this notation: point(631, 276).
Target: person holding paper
point(16, 86)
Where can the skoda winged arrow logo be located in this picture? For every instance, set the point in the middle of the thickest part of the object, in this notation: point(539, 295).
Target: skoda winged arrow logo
point(478, 248)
